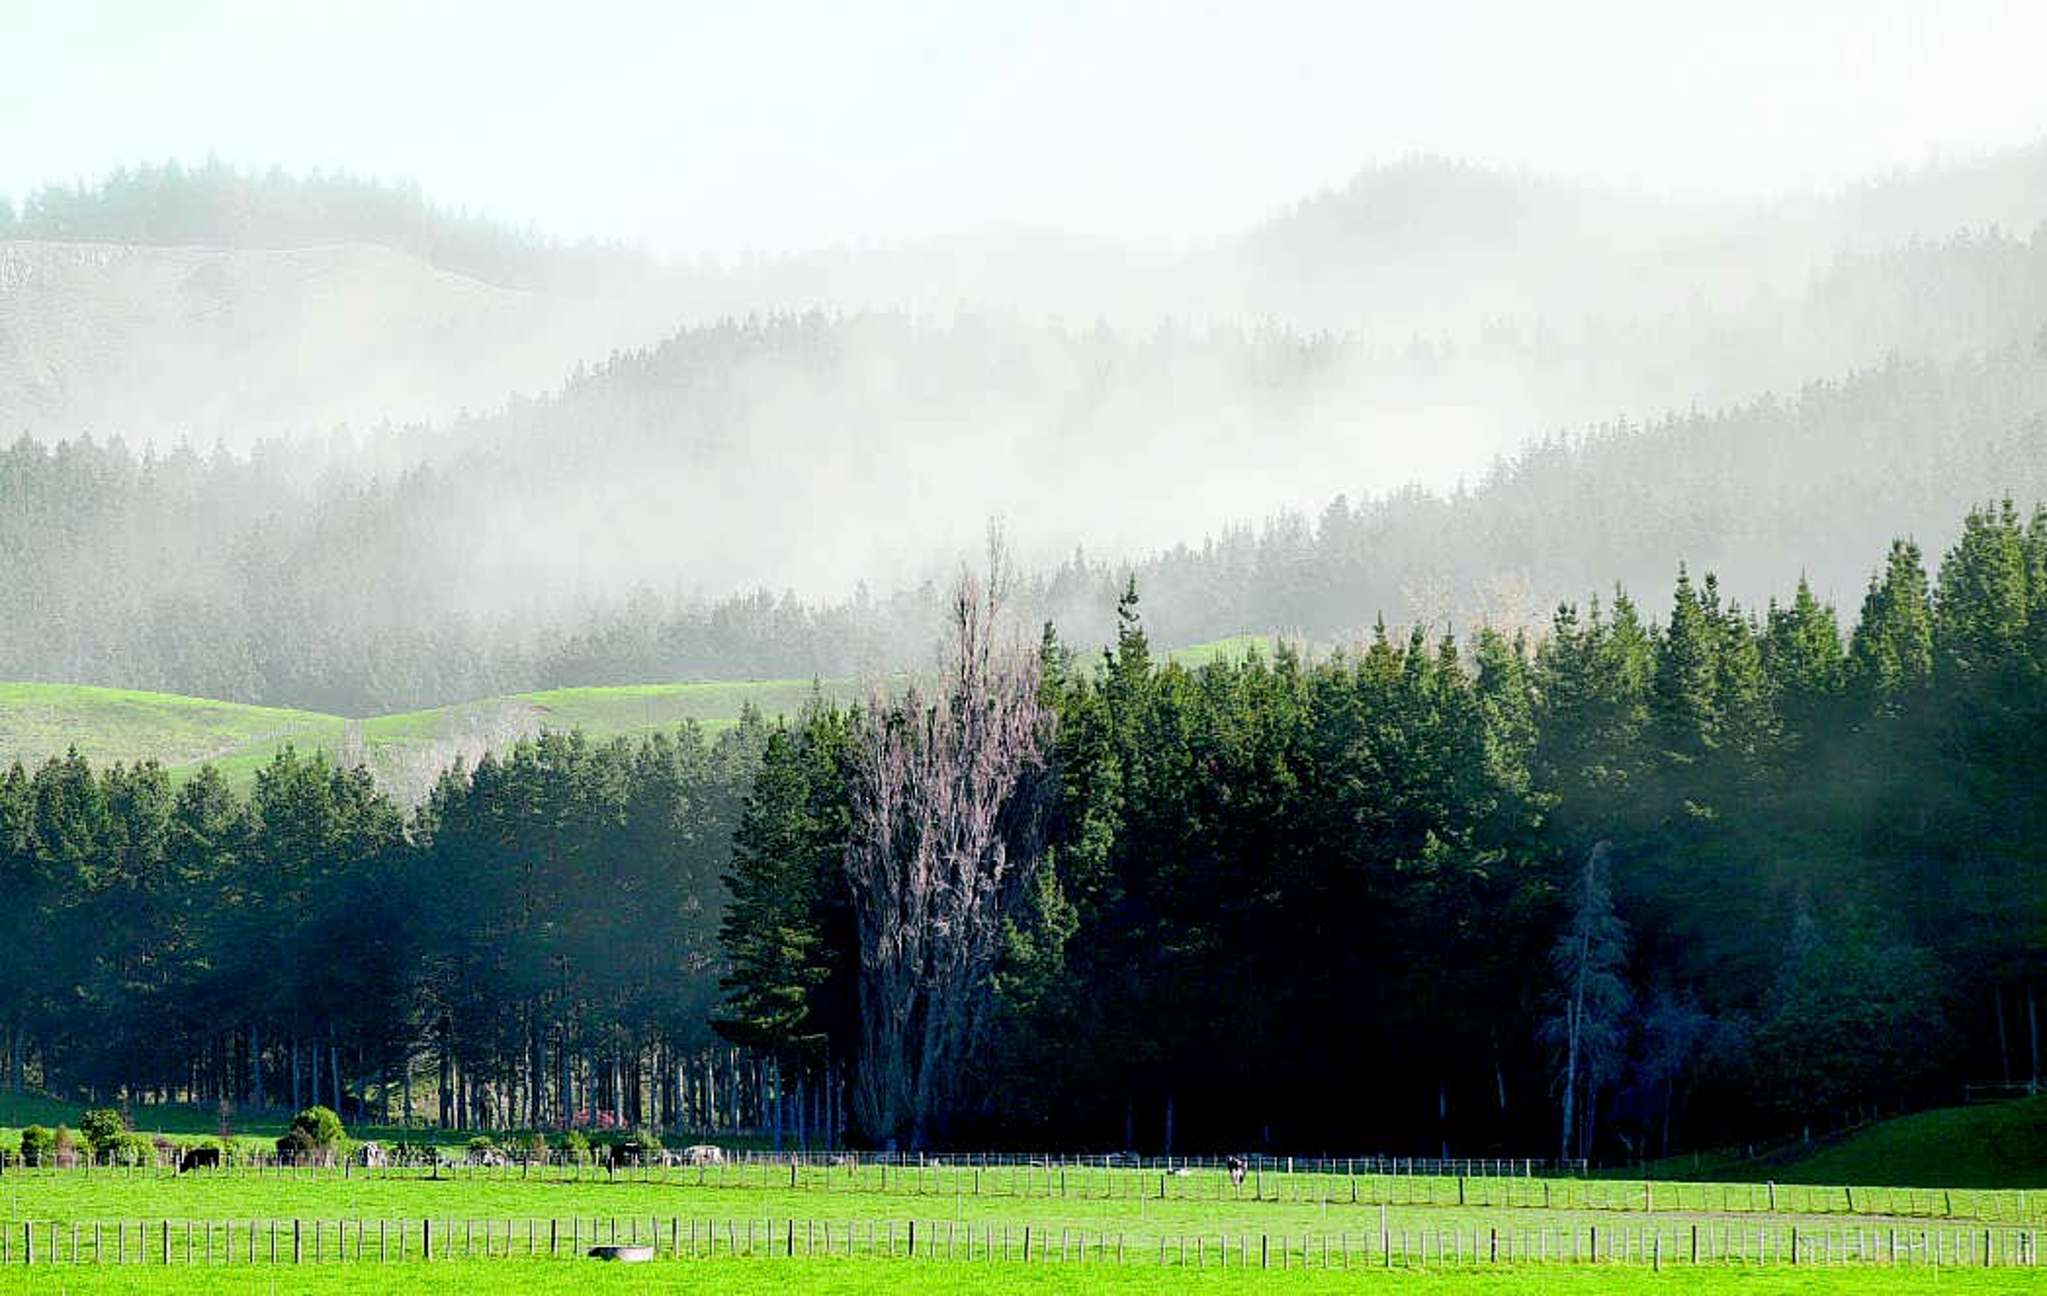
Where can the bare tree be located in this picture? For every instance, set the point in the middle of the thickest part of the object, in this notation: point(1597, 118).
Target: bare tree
point(1589, 1028)
point(941, 841)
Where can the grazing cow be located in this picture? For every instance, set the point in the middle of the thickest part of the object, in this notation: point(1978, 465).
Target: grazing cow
point(372, 1156)
point(704, 1154)
point(1237, 1166)
point(628, 1154)
point(199, 1158)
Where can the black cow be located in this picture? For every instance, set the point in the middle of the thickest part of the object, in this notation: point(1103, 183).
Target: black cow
point(199, 1158)
point(628, 1154)
point(1237, 1166)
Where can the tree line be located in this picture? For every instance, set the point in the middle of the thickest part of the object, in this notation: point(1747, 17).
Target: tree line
point(1630, 885)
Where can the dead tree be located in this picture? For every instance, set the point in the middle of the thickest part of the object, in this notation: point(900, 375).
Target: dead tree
point(936, 858)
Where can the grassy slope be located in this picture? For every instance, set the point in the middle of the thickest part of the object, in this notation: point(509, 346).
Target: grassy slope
point(38, 721)
point(108, 725)
point(1996, 1145)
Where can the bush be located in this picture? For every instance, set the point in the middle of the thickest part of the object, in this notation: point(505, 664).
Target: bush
point(536, 1146)
point(38, 1146)
point(102, 1128)
point(647, 1138)
point(63, 1147)
point(576, 1144)
point(482, 1143)
point(296, 1147)
point(129, 1149)
point(321, 1126)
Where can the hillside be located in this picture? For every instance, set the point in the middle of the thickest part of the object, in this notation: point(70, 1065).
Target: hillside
point(232, 345)
point(1995, 1145)
point(405, 749)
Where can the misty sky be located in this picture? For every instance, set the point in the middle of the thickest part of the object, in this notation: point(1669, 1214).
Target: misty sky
point(769, 127)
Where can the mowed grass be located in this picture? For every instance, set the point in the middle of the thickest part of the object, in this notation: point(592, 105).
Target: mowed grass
point(840, 1277)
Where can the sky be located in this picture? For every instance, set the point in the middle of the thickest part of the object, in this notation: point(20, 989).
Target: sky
point(729, 130)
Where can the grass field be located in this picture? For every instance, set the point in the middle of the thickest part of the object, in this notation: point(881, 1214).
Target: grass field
point(858, 1277)
point(849, 1227)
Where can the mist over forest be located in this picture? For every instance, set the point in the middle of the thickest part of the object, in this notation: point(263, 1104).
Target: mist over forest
point(1471, 658)
point(1390, 400)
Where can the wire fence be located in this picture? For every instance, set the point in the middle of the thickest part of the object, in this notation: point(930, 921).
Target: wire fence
point(1094, 1182)
point(207, 1243)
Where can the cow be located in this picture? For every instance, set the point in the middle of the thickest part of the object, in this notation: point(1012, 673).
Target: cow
point(372, 1156)
point(704, 1154)
point(1237, 1166)
point(199, 1158)
point(627, 1154)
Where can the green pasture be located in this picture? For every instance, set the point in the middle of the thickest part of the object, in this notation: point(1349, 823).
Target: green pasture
point(742, 1277)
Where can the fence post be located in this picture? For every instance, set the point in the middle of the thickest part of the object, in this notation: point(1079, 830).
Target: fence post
point(1264, 1251)
point(426, 1239)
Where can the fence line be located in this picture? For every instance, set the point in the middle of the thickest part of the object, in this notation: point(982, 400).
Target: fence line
point(1078, 1181)
point(1413, 1167)
point(274, 1241)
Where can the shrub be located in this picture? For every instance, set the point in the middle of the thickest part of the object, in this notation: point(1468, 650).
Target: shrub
point(129, 1149)
point(482, 1143)
point(63, 1147)
point(38, 1146)
point(295, 1146)
point(322, 1127)
point(576, 1144)
point(536, 1146)
point(649, 1139)
point(102, 1128)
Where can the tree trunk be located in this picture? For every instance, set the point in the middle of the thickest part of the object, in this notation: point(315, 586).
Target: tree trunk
point(2033, 1030)
point(2003, 1041)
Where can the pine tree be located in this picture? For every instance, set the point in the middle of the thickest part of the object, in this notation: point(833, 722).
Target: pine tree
point(1890, 656)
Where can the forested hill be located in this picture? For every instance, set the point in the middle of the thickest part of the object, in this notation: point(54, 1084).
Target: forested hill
point(220, 307)
point(589, 538)
point(220, 206)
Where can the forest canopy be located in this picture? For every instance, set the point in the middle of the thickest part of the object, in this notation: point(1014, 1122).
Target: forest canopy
point(1653, 883)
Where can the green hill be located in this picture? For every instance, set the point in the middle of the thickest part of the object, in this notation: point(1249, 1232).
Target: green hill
point(107, 725)
point(404, 749)
point(1994, 1145)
